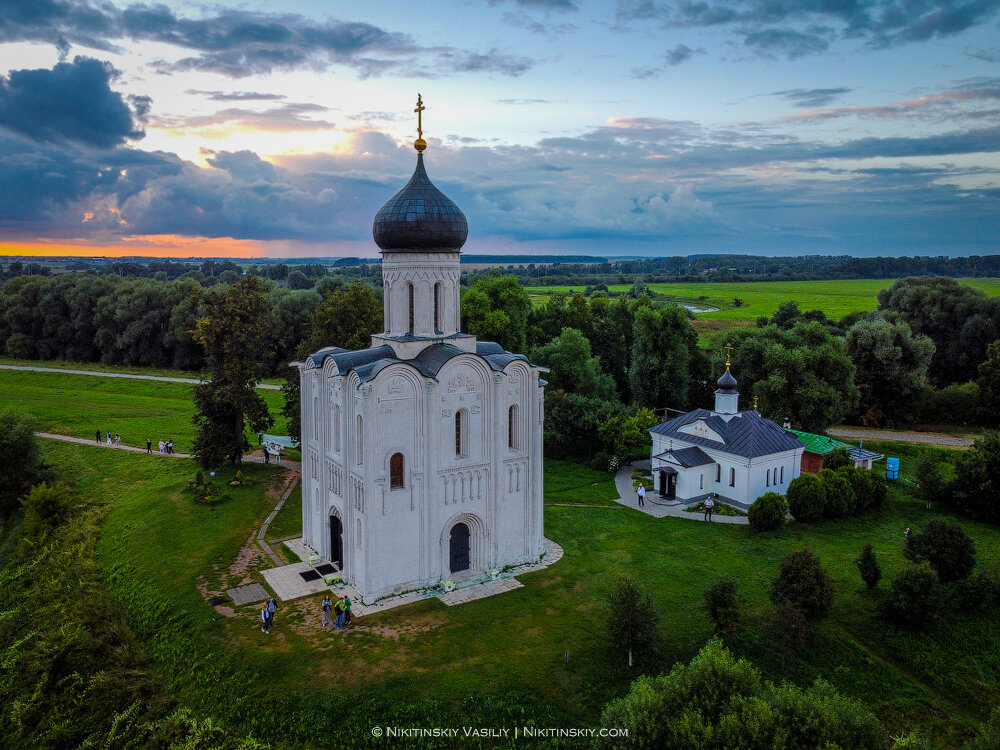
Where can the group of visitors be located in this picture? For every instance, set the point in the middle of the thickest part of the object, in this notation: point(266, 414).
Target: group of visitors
point(166, 447)
point(341, 610)
point(115, 442)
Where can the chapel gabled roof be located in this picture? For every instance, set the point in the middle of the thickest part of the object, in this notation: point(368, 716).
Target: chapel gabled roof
point(746, 434)
point(687, 457)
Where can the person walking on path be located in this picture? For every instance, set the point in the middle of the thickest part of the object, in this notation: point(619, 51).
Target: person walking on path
point(98, 438)
point(149, 445)
point(109, 437)
point(271, 606)
point(267, 456)
point(260, 438)
point(163, 447)
point(347, 611)
point(170, 449)
point(640, 492)
point(265, 614)
point(118, 440)
point(709, 505)
point(327, 607)
point(338, 608)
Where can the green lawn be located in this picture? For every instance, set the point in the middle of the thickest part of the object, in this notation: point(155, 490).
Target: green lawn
point(835, 298)
point(164, 556)
point(78, 405)
point(60, 364)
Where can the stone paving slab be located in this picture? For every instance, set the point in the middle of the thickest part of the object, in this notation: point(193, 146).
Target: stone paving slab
point(248, 594)
point(287, 584)
point(301, 550)
point(480, 591)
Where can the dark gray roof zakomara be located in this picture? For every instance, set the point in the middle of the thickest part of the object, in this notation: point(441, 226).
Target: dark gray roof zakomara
point(747, 434)
point(369, 362)
point(688, 457)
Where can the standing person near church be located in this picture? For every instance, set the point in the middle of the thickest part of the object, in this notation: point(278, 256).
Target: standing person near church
point(709, 505)
point(170, 445)
point(347, 611)
point(98, 438)
point(640, 492)
point(149, 445)
point(327, 608)
point(260, 438)
point(265, 615)
point(109, 437)
point(118, 440)
point(271, 607)
point(338, 609)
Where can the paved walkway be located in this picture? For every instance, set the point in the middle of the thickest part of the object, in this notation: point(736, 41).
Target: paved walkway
point(249, 458)
point(903, 436)
point(128, 376)
point(653, 505)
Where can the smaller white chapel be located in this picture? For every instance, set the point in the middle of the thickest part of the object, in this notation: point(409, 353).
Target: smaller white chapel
point(422, 454)
point(738, 455)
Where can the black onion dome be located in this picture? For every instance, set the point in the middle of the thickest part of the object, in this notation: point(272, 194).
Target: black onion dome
point(727, 383)
point(420, 217)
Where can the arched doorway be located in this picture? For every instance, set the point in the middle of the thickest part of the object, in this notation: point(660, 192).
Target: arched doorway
point(458, 548)
point(336, 542)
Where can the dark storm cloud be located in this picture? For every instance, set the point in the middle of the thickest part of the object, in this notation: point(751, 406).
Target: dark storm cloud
point(71, 102)
point(239, 43)
point(813, 97)
point(803, 27)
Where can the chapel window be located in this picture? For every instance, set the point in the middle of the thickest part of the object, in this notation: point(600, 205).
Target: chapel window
point(396, 464)
point(768, 482)
point(512, 427)
point(718, 472)
point(782, 475)
point(732, 477)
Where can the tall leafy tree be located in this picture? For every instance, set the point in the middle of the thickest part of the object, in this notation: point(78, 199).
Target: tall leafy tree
point(802, 373)
point(667, 366)
point(572, 367)
point(890, 369)
point(496, 308)
point(22, 465)
point(989, 383)
point(237, 334)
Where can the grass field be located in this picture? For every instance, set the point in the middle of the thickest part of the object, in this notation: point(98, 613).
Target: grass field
point(165, 556)
point(78, 405)
point(61, 364)
point(835, 298)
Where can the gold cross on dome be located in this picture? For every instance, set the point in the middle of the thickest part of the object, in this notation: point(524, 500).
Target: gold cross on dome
point(420, 108)
point(729, 352)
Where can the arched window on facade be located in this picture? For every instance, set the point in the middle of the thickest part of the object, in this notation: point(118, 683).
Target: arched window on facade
point(462, 433)
point(732, 477)
point(437, 307)
point(767, 482)
point(361, 441)
point(782, 475)
point(718, 473)
point(387, 294)
point(409, 295)
point(396, 465)
point(335, 427)
point(512, 427)
point(316, 417)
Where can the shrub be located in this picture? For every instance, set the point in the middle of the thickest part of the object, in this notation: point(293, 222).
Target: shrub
point(931, 484)
point(915, 597)
point(46, 507)
point(767, 513)
point(946, 547)
point(788, 629)
point(987, 735)
point(804, 583)
point(860, 481)
point(22, 464)
point(836, 459)
point(880, 489)
point(633, 622)
point(868, 566)
point(806, 498)
point(840, 501)
point(978, 592)
point(723, 603)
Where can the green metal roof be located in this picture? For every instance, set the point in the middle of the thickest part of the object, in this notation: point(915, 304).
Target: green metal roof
point(818, 444)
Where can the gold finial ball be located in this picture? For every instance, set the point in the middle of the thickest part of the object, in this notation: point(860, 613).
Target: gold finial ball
point(420, 144)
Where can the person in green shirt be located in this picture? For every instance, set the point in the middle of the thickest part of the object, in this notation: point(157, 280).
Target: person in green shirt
point(347, 611)
point(338, 608)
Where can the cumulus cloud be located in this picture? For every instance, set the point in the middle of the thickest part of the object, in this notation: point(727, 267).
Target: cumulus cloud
point(237, 96)
point(71, 102)
point(238, 43)
point(813, 97)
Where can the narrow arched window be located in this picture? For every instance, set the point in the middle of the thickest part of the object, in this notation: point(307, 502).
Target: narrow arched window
point(768, 482)
point(316, 417)
point(361, 441)
point(336, 427)
point(387, 294)
point(396, 465)
point(437, 307)
point(512, 427)
point(461, 433)
point(718, 473)
point(732, 477)
point(782, 475)
point(409, 294)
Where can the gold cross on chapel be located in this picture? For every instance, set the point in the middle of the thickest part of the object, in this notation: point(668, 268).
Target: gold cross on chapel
point(729, 351)
point(420, 144)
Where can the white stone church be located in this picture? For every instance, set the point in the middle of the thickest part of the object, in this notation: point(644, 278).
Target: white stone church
point(421, 455)
point(738, 455)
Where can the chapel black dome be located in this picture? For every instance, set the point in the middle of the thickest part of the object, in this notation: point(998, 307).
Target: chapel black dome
point(420, 217)
point(727, 383)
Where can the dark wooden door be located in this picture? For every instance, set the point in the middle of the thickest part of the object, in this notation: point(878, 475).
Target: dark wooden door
point(672, 486)
point(663, 484)
point(337, 542)
point(459, 548)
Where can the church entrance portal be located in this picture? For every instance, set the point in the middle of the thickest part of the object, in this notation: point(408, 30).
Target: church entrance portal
point(668, 483)
point(459, 548)
point(336, 542)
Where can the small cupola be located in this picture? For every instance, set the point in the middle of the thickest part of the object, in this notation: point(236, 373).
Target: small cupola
point(726, 396)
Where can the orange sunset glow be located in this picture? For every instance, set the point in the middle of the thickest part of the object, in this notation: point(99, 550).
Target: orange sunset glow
point(153, 246)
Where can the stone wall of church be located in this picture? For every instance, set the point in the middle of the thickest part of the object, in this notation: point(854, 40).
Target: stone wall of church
point(431, 282)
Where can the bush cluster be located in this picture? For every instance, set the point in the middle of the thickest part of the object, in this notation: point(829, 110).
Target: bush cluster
point(838, 493)
point(804, 583)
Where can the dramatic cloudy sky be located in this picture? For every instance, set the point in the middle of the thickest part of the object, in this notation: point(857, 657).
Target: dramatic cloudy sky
point(630, 127)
